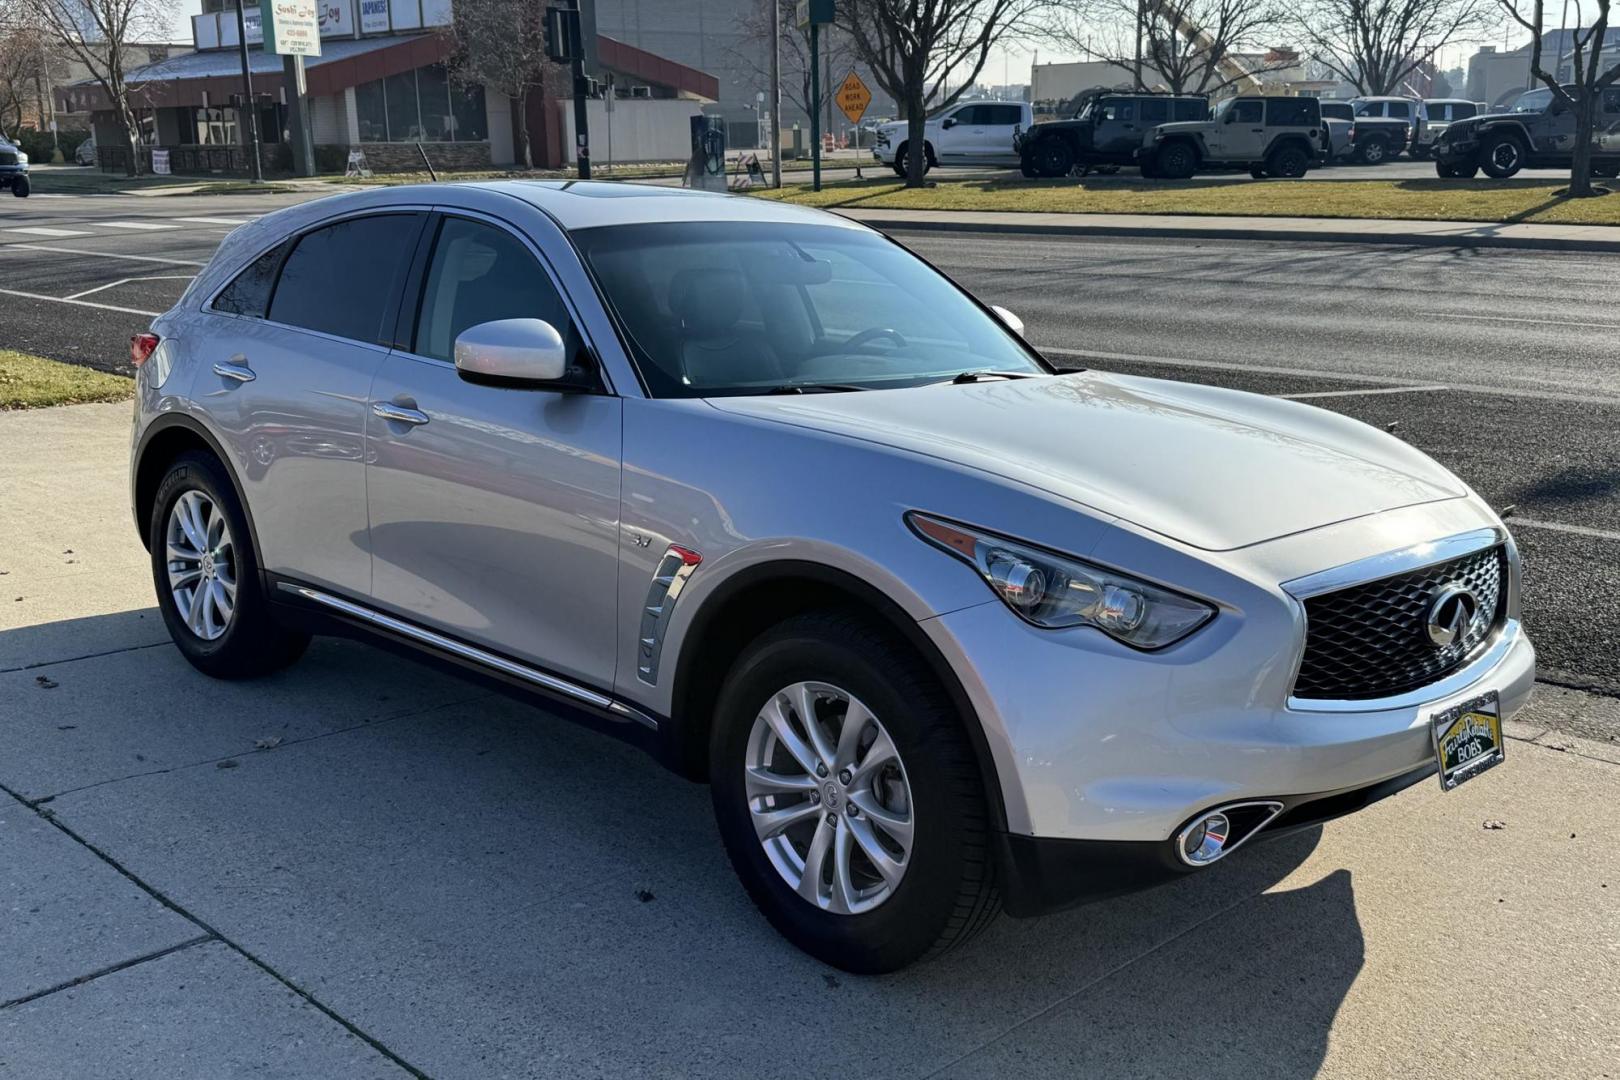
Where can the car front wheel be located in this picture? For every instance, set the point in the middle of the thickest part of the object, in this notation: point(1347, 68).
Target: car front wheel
point(207, 579)
point(1176, 161)
point(1502, 156)
point(848, 797)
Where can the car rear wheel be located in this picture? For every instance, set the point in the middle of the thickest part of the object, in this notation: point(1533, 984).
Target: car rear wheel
point(1607, 172)
point(1502, 156)
point(1257, 171)
point(1177, 160)
point(1372, 152)
point(1053, 157)
point(1288, 162)
point(848, 798)
point(207, 578)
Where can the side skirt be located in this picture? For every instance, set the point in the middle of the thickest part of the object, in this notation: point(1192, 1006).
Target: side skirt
point(317, 611)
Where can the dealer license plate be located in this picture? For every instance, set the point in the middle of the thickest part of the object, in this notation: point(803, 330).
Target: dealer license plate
point(1467, 739)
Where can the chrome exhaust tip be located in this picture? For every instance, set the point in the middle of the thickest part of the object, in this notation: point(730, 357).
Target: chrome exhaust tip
point(1216, 833)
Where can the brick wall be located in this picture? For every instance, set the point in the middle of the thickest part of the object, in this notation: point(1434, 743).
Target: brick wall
point(403, 157)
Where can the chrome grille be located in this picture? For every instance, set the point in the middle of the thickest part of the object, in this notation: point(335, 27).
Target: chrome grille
point(1371, 640)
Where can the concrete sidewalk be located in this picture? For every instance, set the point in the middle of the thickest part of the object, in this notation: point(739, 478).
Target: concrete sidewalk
point(363, 868)
point(1598, 238)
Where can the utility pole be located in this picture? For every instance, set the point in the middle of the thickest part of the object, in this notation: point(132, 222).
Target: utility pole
point(776, 93)
point(582, 122)
point(815, 107)
point(303, 147)
point(248, 103)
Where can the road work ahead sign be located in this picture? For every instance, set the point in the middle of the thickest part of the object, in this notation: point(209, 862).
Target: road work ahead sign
point(853, 97)
point(292, 27)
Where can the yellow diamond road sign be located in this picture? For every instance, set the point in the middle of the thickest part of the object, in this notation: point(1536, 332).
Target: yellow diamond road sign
point(854, 97)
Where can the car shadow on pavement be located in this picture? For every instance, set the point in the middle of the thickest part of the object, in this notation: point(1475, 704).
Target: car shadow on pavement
point(486, 889)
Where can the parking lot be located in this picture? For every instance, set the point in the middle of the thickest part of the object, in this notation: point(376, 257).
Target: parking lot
point(360, 867)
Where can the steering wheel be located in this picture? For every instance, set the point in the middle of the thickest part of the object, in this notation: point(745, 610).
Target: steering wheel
point(857, 340)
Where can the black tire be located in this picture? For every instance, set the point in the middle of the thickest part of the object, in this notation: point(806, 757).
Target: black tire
point(19, 187)
point(1373, 151)
point(948, 892)
point(1177, 160)
point(253, 643)
point(1052, 157)
point(1502, 155)
point(1607, 172)
point(904, 151)
point(1149, 166)
point(1257, 171)
point(1026, 169)
point(1289, 162)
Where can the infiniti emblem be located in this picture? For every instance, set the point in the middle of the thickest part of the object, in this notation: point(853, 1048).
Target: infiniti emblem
point(1450, 615)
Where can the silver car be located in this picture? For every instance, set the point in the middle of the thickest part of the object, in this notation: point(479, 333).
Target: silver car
point(947, 632)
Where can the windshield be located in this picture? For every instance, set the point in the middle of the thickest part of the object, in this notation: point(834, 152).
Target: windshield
point(718, 308)
point(1533, 101)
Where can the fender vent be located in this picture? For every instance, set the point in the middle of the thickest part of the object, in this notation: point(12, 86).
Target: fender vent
point(668, 580)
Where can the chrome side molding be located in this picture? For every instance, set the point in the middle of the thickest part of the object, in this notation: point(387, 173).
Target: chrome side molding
point(473, 653)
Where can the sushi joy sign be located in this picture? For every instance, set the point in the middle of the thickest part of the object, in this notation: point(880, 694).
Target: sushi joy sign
point(292, 27)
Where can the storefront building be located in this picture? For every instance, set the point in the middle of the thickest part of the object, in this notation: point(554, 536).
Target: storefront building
point(380, 86)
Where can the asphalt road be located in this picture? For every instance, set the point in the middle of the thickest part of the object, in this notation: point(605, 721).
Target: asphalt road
point(1501, 364)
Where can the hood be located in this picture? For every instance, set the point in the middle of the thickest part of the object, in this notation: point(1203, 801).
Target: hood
point(1216, 469)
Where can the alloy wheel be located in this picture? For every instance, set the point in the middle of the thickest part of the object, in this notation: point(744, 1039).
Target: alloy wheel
point(201, 564)
point(829, 798)
point(1505, 155)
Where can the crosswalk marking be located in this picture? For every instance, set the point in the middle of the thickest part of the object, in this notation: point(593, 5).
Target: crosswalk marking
point(41, 230)
point(214, 220)
point(136, 225)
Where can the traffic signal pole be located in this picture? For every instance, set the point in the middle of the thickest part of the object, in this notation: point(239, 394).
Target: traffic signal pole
point(582, 122)
point(815, 107)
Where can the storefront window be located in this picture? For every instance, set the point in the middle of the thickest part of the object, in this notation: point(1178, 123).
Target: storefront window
point(420, 106)
point(216, 126)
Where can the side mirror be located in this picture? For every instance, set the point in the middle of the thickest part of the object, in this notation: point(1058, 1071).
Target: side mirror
point(512, 352)
point(950, 122)
point(1013, 322)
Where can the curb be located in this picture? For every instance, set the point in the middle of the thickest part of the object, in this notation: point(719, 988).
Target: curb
point(1313, 236)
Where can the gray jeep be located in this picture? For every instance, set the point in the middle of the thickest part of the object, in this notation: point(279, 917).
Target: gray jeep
point(1269, 136)
point(1537, 133)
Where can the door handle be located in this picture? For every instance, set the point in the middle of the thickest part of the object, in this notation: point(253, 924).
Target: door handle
point(399, 413)
point(232, 369)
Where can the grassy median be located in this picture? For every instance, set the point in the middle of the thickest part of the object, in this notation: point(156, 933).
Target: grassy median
point(33, 382)
point(1422, 200)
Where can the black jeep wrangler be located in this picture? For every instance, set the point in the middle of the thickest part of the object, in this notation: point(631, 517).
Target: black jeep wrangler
point(1107, 131)
point(13, 168)
point(1537, 133)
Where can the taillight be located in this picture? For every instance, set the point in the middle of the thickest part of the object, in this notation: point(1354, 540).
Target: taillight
point(141, 347)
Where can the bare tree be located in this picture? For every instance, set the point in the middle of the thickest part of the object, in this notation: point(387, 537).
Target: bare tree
point(1185, 46)
point(1378, 45)
point(916, 48)
point(501, 44)
point(22, 66)
point(754, 51)
point(96, 33)
point(1591, 73)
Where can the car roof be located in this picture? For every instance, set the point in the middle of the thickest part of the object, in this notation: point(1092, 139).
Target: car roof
point(585, 204)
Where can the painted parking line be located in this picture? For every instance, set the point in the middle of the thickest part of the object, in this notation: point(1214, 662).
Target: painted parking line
point(42, 230)
point(126, 281)
point(1517, 522)
point(79, 303)
point(214, 220)
point(1362, 393)
point(144, 226)
point(100, 254)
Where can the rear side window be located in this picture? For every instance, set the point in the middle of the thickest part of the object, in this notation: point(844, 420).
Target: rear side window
point(1611, 99)
point(1191, 110)
point(1401, 110)
point(1461, 110)
point(479, 274)
point(1337, 110)
point(249, 292)
point(341, 280)
point(1155, 111)
point(1291, 112)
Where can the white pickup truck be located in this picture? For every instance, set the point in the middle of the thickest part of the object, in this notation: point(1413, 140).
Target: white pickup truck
point(966, 133)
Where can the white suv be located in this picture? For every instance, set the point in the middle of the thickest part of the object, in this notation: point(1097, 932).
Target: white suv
point(967, 133)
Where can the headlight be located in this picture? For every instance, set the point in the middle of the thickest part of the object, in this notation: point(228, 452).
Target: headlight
point(1057, 591)
point(22, 158)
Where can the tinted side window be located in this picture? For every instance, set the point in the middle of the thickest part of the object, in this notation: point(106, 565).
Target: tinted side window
point(1118, 110)
point(1462, 110)
point(249, 292)
point(339, 280)
point(1336, 110)
point(1400, 109)
point(1291, 112)
point(1004, 115)
point(971, 114)
point(1611, 99)
point(1191, 110)
point(1155, 111)
point(480, 274)
point(1248, 112)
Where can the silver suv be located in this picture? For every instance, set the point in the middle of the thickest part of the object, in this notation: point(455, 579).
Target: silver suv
point(947, 632)
point(1269, 136)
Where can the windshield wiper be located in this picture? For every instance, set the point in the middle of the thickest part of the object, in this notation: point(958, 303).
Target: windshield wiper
point(815, 388)
point(987, 373)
